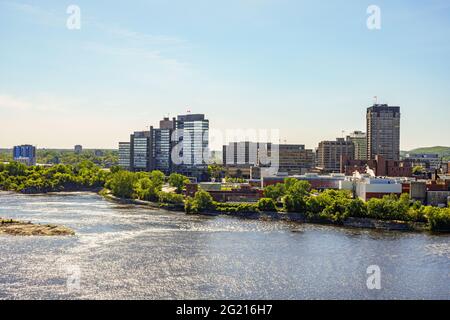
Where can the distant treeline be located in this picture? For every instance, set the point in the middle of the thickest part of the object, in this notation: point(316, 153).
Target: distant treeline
point(102, 157)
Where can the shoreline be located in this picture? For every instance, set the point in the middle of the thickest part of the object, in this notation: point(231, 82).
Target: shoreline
point(350, 222)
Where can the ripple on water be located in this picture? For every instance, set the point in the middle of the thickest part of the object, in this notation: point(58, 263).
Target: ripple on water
point(129, 252)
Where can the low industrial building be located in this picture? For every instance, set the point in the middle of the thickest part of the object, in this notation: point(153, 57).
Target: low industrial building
point(235, 193)
point(368, 188)
point(318, 182)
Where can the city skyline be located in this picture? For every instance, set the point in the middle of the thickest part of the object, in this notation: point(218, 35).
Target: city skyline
point(123, 72)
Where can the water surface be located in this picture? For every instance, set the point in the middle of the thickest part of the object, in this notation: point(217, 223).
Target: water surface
point(128, 252)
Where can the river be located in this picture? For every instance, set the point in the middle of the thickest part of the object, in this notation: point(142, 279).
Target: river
point(129, 252)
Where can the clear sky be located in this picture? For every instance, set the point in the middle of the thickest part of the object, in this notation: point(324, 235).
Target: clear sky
point(308, 68)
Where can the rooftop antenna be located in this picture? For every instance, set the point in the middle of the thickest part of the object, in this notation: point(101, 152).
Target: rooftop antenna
point(375, 99)
point(188, 110)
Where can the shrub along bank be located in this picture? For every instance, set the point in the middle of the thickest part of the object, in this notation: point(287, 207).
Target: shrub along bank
point(331, 206)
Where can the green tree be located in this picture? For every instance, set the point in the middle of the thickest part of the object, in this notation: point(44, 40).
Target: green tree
point(158, 178)
point(356, 208)
point(275, 191)
point(178, 181)
point(267, 205)
point(203, 200)
point(146, 189)
point(122, 184)
point(215, 171)
point(418, 170)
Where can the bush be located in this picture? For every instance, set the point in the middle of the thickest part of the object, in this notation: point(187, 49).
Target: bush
point(275, 191)
point(178, 181)
point(438, 218)
point(294, 203)
point(203, 200)
point(236, 207)
point(356, 208)
point(266, 205)
point(190, 206)
point(171, 198)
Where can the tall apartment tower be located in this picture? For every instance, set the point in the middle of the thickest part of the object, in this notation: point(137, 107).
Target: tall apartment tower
point(161, 158)
point(359, 139)
point(149, 150)
point(125, 155)
point(329, 154)
point(383, 132)
point(192, 131)
point(140, 151)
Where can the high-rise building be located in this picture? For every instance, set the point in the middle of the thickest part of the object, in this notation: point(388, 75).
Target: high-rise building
point(125, 155)
point(329, 154)
point(154, 149)
point(359, 139)
point(78, 149)
point(192, 139)
point(383, 132)
point(25, 154)
point(140, 150)
point(161, 158)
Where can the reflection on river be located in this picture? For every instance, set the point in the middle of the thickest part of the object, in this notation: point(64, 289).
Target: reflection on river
point(126, 252)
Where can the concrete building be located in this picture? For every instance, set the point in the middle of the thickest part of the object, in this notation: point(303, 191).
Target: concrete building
point(125, 155)
point(240, 153)
point(154, 149)
point(438, 198)
point(293, 159)
point(25, 154)
point(381, 167)
point(418, 191)
point(383, 132)
point(140, 151)
point(318, 182)
point(192, 145)
point(78, 149)
point(434, 192)
point(329, 154)
point(359, 140)
point(370, 187)
point(161, 139)
point(426, 160)
point(237, 193)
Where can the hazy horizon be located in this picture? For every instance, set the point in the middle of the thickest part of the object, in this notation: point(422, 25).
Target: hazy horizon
point(308, 69)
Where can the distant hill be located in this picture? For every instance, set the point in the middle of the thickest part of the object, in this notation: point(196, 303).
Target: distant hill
point(443, 152)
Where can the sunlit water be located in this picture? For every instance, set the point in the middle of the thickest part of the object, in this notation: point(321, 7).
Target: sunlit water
point(126, 252)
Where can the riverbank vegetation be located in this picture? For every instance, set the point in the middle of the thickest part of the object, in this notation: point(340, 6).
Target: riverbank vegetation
point(292, 196)
point(330, 206)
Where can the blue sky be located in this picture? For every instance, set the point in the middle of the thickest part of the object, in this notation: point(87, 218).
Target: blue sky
point(307, 68)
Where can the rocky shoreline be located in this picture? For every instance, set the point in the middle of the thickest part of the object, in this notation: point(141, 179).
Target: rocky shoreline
point(21, 228)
